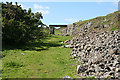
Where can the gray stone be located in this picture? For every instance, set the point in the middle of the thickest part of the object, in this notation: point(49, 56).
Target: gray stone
point(97, 69)
point(91, 70)
point(67, 78)
point(102, 66)
point(67, 46)
point(78, 67)
point(100, 52)
point(115, 63)
point(85, 60)
point(111, 73)
point(23, 53)
point(111, 51)
point(117, 70)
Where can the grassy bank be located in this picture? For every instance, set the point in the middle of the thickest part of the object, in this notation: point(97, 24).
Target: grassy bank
point(44, 59)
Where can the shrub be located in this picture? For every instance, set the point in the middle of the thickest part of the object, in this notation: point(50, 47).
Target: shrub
point(20, 26)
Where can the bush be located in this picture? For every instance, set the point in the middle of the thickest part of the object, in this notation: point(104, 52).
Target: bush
point(20, 26)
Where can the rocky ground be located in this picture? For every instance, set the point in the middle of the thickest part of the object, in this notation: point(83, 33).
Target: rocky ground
point(97, 53)
point(96, 45)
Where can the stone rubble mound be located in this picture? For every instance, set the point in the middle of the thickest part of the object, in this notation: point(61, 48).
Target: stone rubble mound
point(98, 54)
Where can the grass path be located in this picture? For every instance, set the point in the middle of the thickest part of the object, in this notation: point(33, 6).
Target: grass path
point(40, 60)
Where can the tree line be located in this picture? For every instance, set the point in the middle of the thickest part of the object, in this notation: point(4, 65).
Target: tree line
point(19, 26)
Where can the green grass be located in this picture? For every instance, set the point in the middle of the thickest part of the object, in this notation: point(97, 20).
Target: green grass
point(0, 68)
point(42, 59)
point(114, 28)
point(110, 18)
point(91, 77)
point(58, 32)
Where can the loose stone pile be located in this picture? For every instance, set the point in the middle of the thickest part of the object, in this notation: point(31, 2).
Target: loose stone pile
point(98, 53)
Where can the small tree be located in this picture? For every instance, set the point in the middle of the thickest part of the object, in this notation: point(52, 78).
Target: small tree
point(19, 26)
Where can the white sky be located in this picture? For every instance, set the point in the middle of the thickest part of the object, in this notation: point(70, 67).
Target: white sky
point(61, 0)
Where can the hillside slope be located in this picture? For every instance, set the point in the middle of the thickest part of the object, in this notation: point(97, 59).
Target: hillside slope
point(109, 22)
point(96, 45)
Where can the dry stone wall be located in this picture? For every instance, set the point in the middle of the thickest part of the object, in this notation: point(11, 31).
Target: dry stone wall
point(70, 30)
point(99, 53)
point(96, 45)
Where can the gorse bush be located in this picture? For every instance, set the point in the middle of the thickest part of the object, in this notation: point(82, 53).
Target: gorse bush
point(20, 26)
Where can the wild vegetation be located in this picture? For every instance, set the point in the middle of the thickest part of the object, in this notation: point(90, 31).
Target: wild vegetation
point(30, 52)
point(20, 26)
point(44, 59)
point(109, 22)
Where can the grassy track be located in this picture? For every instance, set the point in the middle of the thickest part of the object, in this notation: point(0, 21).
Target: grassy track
point(40, 60)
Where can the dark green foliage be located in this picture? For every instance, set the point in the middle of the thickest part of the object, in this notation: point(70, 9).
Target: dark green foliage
point(13, 64)
point(20, 26)
point(113, 28)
